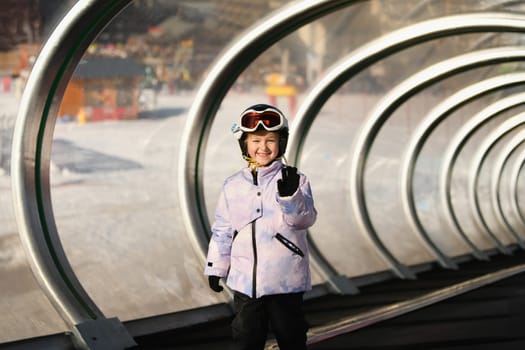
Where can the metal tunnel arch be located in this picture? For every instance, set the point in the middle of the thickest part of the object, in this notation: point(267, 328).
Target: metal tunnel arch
point(400, 94)
point(31, 154)
point(33, 135)
point(514, 177)
point(228, 67)
point(366, 55)
point(495, 180)
point(425, 128)
point(32, 140)
point(452, 152)
point(475, 170)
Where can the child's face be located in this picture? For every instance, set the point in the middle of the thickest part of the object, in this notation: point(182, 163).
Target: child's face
point(263, 146)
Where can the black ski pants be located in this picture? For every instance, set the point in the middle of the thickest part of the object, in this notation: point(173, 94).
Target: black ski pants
point(282, 313)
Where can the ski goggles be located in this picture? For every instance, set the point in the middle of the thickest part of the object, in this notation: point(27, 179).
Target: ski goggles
point(270, 118)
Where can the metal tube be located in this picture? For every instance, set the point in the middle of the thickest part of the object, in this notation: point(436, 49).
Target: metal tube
point(396, 97)
point(514, 177)
point(423, 131)
point(349, 66)
point(454, 148)
point(208, 98)
point(30, 158)
point(495, 182)
point(475, 170)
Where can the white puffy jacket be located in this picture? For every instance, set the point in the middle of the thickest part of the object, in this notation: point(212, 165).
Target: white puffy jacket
point(259, 238)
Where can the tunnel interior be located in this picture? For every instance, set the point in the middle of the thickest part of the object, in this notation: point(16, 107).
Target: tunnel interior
point(407, 117)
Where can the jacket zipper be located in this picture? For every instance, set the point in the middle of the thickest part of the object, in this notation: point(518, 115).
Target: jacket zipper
point(254, 278)
point(254, 246)
point(289, 244)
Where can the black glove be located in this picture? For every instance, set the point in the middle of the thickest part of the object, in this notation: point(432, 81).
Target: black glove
point(289, 183)
point(214, 283)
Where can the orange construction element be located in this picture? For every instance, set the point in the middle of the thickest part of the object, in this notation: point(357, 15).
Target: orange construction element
point(277, 87)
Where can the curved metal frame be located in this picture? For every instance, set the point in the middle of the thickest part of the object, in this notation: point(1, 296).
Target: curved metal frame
point(364, 56)
point(475, 169)
point(400, 94)
point(50, 75)
point(514, 178)
point(427, 126)
point(32, 145)
point(206, 103)
point(452, 152)
point(30, 157)
point(497, 173)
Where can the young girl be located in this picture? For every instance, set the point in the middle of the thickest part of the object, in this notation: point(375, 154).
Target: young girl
point(259, 236)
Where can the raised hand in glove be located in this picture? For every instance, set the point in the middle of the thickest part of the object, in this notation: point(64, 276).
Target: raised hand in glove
point(289, 182)
point(214, 283)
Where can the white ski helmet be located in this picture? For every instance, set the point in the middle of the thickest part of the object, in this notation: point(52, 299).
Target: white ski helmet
point(261, 117)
